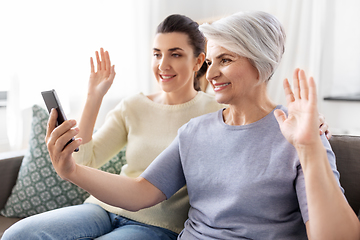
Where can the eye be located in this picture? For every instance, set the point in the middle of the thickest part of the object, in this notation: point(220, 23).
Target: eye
point(225, 60)
point(157, 55)
point(176, 55)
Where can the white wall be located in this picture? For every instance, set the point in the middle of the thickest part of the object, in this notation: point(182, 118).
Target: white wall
point(343, 117)
point(4, 143)
point(341, 67)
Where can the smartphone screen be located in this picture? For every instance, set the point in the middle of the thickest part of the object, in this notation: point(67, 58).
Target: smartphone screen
point(52, 101)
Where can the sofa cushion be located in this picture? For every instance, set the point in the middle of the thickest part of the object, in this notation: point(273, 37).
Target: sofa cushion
point(38, 187)
point(347, 152)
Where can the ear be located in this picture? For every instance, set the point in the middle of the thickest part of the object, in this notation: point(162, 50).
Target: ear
point(199, 62)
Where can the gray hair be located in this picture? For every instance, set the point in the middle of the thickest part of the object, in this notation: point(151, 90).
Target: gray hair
point(258, 36)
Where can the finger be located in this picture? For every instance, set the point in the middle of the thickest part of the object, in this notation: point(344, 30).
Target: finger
point(103, 59)
point(92, 65)
point(98, 67)
point(107, 62)
point(58, 134)
point(280, 116)
point(288, 93)
point(51, 123)
point(112, 73)
point(304, 89)
point(70, 148)
point(328, 134)
point(63, 128)
point(323, 127)
point(312, 91)
point(61, 141)
point(296, 84)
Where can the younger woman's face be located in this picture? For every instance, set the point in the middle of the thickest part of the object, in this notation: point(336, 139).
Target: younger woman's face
point(174, 62)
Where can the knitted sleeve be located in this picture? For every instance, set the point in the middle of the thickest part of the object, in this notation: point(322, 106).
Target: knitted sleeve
point(107, 141)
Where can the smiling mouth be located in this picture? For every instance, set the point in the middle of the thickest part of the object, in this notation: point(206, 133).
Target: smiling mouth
point(166, 77)
point(218, 87)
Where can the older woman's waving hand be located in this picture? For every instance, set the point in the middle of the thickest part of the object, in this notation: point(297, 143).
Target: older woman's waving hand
point(330, 216)
point(300, 127)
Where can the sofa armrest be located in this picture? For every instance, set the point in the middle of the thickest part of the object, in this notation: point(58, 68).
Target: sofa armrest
point(10, 163)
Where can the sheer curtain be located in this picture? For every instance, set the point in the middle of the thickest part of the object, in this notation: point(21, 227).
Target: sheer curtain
point(47, 45)
point(307, 24)
point(323, 38)
point(305, 27)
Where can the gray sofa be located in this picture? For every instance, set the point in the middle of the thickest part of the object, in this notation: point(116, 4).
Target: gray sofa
point(346, 148)
point(9, 167)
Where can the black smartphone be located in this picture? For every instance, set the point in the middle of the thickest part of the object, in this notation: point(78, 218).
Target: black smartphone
point(52, 101)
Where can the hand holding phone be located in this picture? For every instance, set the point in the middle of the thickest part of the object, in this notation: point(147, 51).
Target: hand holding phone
point(52, 101)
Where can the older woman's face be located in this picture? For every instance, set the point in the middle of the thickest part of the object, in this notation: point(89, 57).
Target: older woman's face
point(232, 77)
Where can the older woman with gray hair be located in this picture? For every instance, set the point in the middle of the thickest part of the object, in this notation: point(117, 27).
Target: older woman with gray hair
point(253, 170)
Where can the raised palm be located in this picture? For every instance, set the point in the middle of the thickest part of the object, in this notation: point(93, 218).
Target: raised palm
point(101, 80)
point(301, 125)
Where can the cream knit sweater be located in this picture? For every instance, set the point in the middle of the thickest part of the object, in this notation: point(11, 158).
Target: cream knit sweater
point(146, 128)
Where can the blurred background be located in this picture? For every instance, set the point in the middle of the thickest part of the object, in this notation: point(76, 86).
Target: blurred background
point(48, 44)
